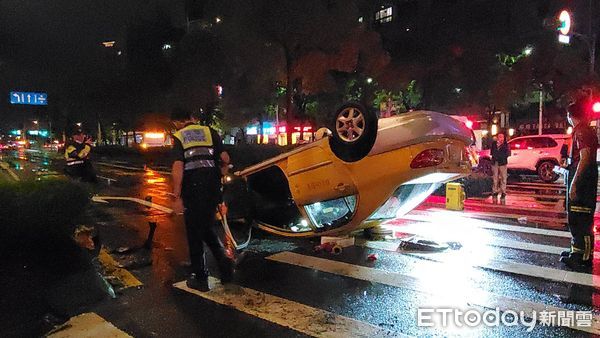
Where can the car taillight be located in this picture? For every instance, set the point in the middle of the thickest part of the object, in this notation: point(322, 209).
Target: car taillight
point(428, 158)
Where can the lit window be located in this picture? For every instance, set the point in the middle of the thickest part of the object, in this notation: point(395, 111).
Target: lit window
point(384, 15)
point(108, 44)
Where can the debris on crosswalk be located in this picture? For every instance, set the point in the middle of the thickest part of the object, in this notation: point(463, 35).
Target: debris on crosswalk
point(372, 257)
point(421, 244)
point(329, 247)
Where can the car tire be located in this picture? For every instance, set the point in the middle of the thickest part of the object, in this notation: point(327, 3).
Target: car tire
point(545, 173)
point(485, 167)
point(354, 132)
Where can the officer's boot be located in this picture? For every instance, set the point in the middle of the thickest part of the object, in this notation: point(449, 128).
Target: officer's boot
point(575, 261)
point(227, 268)
point(198, 282)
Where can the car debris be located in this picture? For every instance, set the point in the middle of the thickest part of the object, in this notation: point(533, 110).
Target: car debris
point(329, 247)
point(372, 257)
point(415, 243)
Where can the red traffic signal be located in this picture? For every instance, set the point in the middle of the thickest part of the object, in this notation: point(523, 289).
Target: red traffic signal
point(596, 107)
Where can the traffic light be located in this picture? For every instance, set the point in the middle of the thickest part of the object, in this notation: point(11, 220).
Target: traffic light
point(596, 107)
point(564, 27)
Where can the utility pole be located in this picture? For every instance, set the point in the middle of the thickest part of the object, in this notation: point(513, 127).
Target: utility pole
point(540, 123)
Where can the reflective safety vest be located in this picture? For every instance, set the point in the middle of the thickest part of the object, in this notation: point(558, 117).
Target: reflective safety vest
point(197, 143)
point(77, 153)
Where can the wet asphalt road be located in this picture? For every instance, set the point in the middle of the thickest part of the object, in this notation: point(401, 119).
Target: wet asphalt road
point(490, 270)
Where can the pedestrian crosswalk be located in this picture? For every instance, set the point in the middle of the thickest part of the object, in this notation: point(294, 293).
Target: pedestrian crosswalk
point(446, 293)
point(442, 290)
point(287, 313)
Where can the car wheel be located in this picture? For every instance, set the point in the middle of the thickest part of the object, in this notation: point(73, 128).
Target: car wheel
point(485, 167)
point(354, 132)
point(545, 171)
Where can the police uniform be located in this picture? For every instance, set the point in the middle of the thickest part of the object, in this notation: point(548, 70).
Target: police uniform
point(77, 156)
point(581, 210)
point(199, 148)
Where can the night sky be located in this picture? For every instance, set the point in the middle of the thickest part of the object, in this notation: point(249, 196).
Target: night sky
point(44, 44)
point(55, 46)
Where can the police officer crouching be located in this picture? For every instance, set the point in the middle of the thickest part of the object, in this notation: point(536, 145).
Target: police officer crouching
point(199, 162)
point(77, 156)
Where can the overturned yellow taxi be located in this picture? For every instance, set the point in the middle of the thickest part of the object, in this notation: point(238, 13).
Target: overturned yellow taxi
point(364, 171)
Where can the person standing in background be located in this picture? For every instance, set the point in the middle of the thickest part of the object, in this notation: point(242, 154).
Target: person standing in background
point(500, 153)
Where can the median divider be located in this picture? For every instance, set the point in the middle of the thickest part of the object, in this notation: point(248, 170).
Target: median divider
point(7, 168)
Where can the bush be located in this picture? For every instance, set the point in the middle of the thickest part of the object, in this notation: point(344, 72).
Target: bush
point(245, 155)
point(35, 213)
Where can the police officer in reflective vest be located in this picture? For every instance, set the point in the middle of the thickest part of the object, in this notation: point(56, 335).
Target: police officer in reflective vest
point(583, 176)
point(199, 162)
point(77, 155)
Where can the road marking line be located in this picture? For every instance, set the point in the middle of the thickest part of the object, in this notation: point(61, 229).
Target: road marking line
point(287, 313)
point(120, 166)
point(12, 174)
point(112, 268)
point(483, 214)
point(132, 168)
point(449, 216)
point(103, 199)
point(500, 207)
point(527, 194)
point(447, 293)
point(108, 179)
point(534, 184)
point(87, 325)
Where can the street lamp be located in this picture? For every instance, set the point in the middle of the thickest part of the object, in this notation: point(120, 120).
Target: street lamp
point(527, 51)
point(369, 80)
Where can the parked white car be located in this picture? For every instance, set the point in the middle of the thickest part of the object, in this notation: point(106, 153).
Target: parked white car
point(531, 154)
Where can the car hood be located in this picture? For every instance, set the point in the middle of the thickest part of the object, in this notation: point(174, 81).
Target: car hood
point(417, 127)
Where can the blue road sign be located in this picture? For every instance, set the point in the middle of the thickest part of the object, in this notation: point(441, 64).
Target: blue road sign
point(36, 99)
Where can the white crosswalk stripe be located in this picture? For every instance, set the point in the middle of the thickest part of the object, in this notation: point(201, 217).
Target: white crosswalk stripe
point(462, 220)
point(484, 215)
point(473, 260)
point(87, 325)
point(287, 313)
point(452, 291)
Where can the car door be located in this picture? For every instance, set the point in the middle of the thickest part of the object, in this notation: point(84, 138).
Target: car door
point(517, 148)
point(316, 175)
point(547, 148)
point(531, 153)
